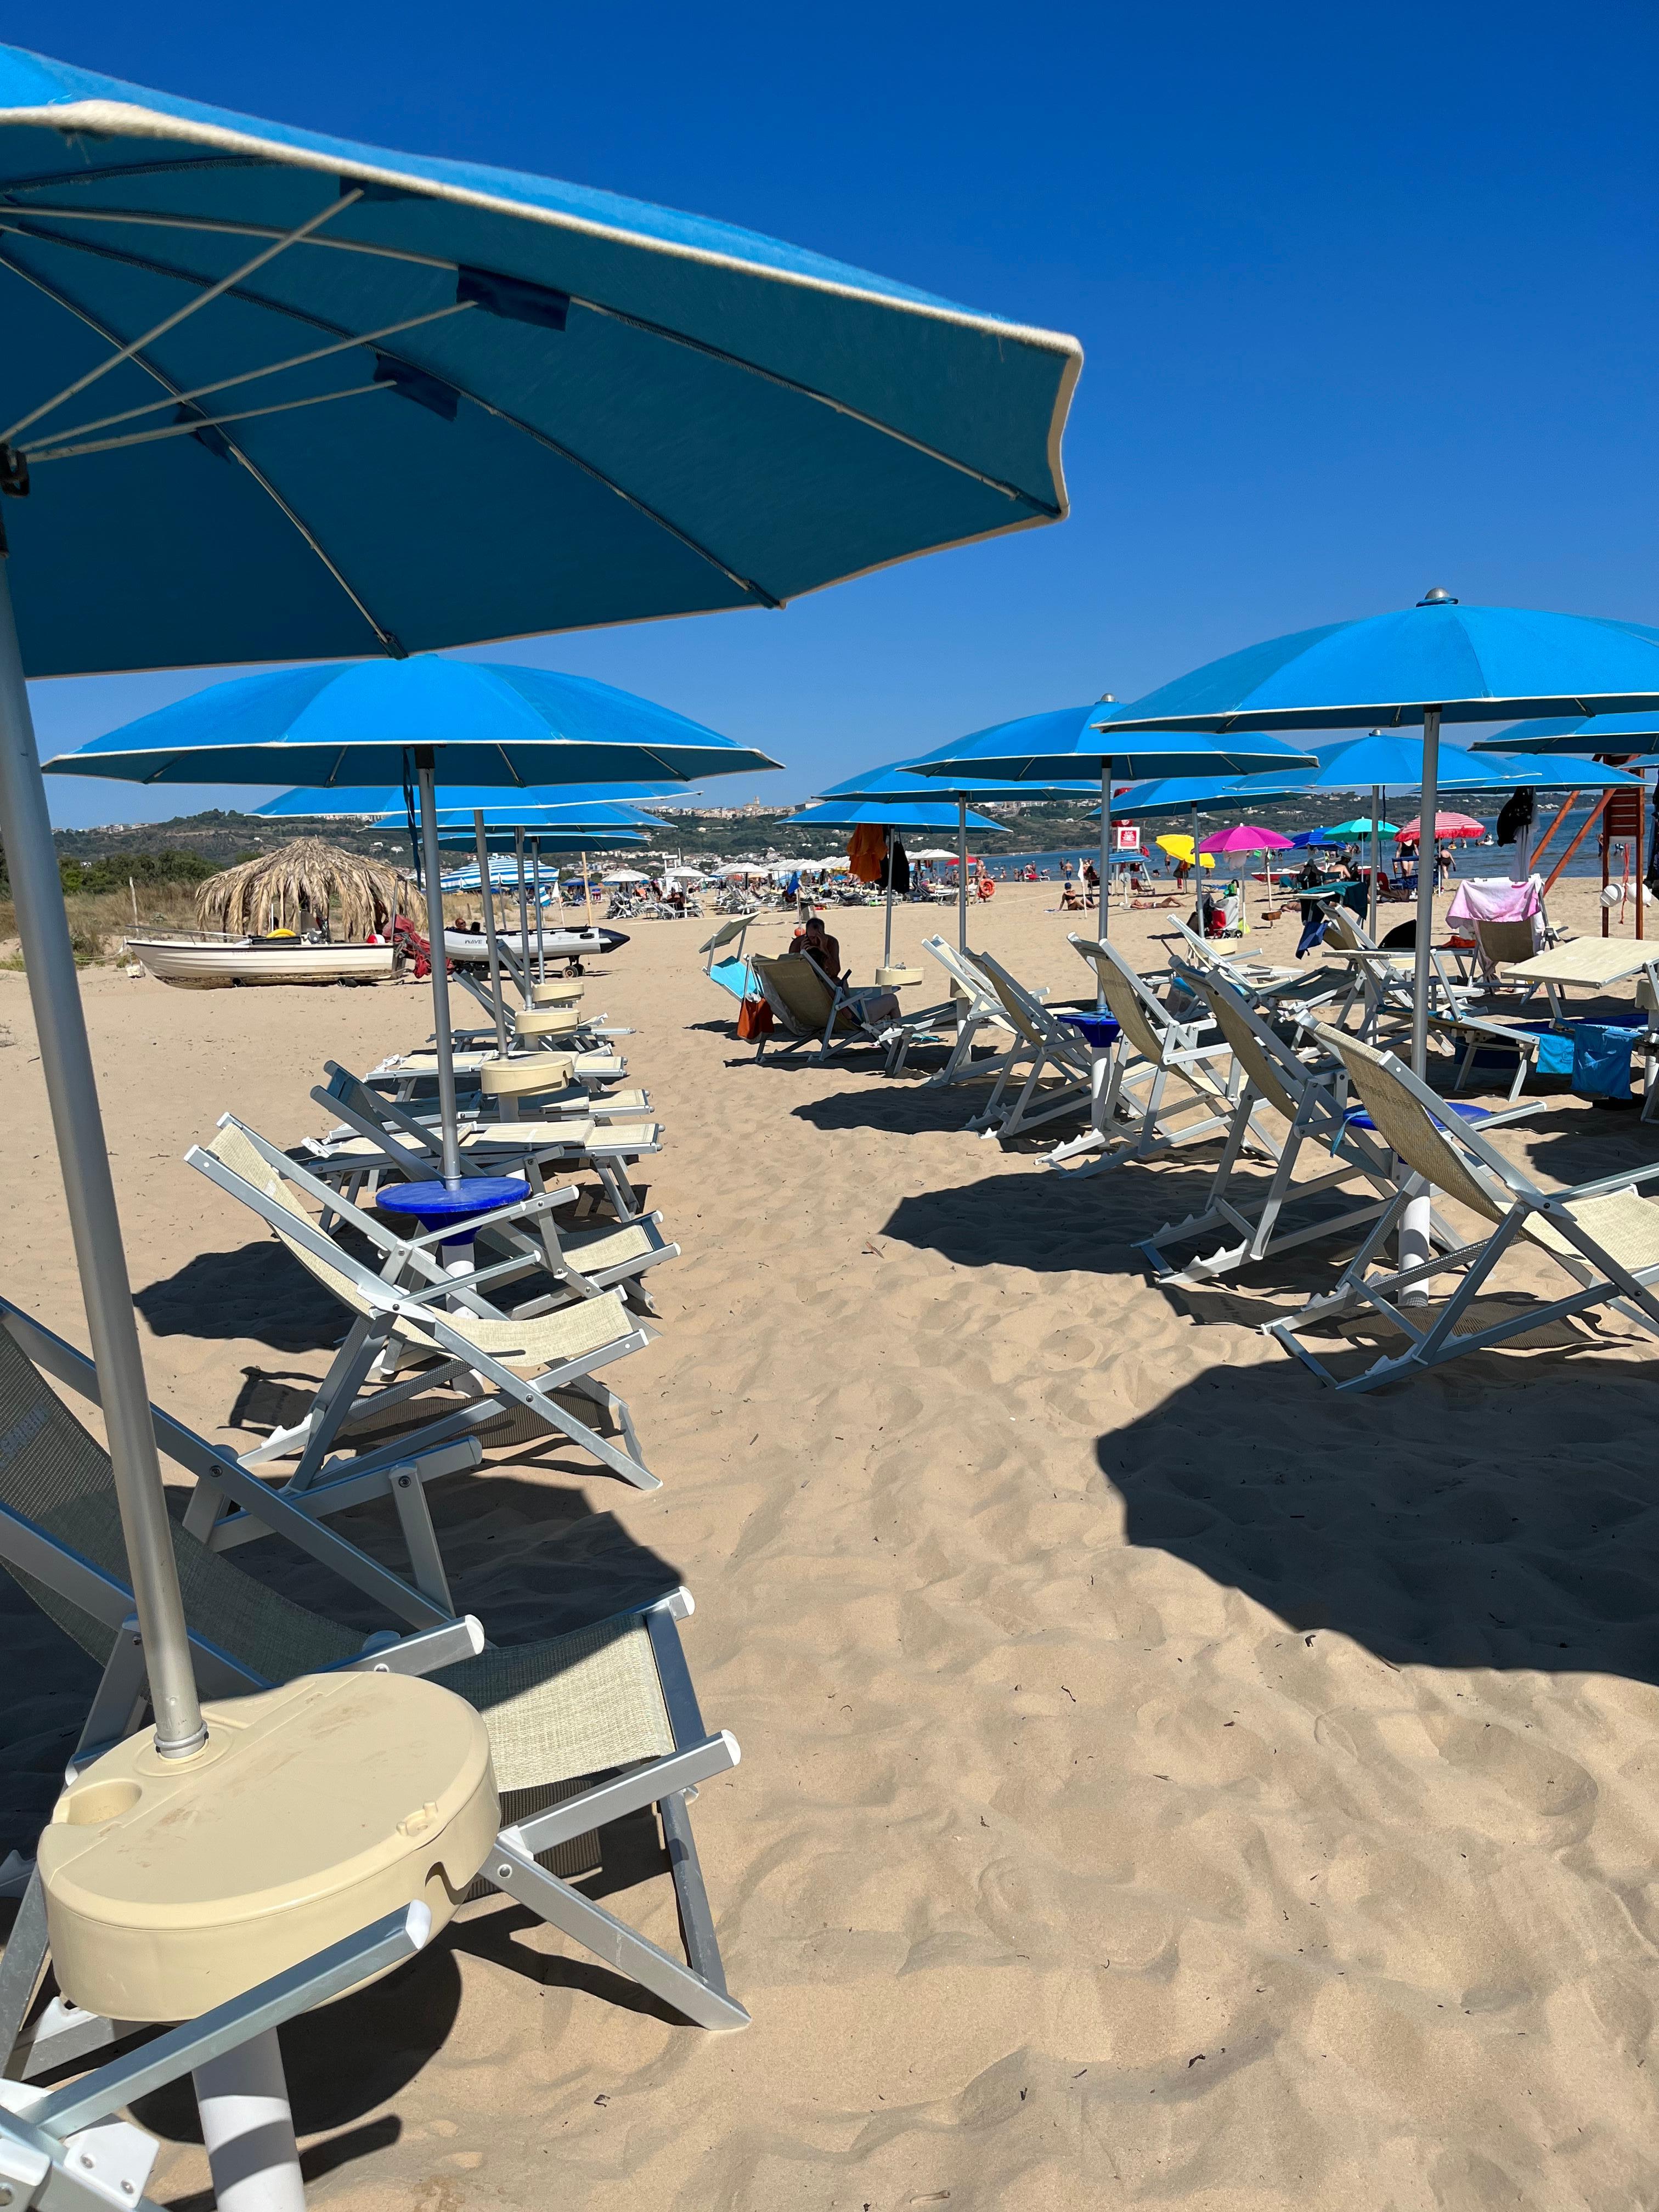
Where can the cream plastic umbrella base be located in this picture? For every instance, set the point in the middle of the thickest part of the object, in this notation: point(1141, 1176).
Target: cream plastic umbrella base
point(510, 1080)
point(547, 1022)
point(894, 979)
point(174, 1885)
point(558, 995)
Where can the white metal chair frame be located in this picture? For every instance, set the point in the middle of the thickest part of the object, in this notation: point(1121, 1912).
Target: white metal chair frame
point(1439, 1151)
point(1156, 1049)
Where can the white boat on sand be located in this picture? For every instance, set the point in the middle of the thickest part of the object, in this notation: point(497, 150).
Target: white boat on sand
point(204, 960)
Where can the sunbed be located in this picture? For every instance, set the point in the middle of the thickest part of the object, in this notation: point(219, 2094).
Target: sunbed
point(810, 1009)
point(1133, 1117)
point(1309, 1096)
point(378, 1135)
point(1604, 1235)
point(584, 1727)
point(524, 1360)
point(1048, 1045)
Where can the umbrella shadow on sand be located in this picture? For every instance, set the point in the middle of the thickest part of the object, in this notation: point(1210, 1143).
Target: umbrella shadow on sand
point(1049, 1222)
point(1443, 1522)
point(260, 1292)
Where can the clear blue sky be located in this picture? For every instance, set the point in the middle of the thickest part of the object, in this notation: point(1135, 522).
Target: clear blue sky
point(1366, 294)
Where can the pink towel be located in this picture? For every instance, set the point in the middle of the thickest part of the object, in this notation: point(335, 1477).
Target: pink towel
point(1495, 898)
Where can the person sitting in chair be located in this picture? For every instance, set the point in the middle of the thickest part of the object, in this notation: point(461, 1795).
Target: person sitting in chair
point(815, 943)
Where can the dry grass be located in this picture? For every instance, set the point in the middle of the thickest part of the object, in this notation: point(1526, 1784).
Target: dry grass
point(99, 920)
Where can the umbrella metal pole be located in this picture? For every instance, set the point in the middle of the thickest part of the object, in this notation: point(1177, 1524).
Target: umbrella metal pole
point(1377, 859)
point(1416, 1245)
point(503, 1043)
point(523, 972)
point(448, 1118)
point(588, 897)
point(536, 883)
point(887, 942)
point(962, 875)
point(1105, 871)
point(94, 1222)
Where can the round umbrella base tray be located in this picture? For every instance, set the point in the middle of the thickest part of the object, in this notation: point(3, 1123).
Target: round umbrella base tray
point(312, 1811)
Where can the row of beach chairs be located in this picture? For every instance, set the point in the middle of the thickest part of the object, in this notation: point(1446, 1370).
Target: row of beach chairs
point(1293, 1071)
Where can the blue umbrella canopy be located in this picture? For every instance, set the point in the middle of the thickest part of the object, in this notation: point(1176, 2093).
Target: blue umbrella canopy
point(1472, 664)
point(588, 840)
point(547, 803)
point(902, 779)
point(890, 814)
point(1070, 743)
point(1383, 762)
point(1578, 733)
point(484, 723)
point(1177, 795)
point(328, 357)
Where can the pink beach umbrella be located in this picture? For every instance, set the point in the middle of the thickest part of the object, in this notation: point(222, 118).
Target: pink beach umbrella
point(1243, 839)
point(1445, 825)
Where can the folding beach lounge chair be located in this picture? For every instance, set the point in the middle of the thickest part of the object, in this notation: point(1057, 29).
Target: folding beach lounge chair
point(1156, 1049)
point(582, 1262)
point(585, 1728)
point(1604, 1235)
point(1311, 1098)
point(972, 1008)
point(523, 1360)
point(588, 1079)
point(1050, 1048)
point(810, 1009)
point(1388, 980)
point(1284, 994)
point(722, 956)
point(379, 1136)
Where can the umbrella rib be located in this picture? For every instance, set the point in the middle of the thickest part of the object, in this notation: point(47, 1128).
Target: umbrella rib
point(746, 584)
point(200, 423)
point(388, 642)
point(253, 375)
point(664, 330)
point(220, 285)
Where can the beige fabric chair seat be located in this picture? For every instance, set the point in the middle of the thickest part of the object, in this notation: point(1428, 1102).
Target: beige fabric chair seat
point(1625, 1225)
point(545, 1339)
point(609, 1248)
point(575, 1704)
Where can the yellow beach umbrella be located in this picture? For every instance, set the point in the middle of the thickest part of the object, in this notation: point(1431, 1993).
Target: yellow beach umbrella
point(1181, 848)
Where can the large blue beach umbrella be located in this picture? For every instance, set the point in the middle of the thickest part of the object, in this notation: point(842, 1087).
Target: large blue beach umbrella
point(1389, 760)
point(382, 802)
point(1438, 661)
point(266, 394)
point(428, 719)
point(1585, 734)
point(893, 815)
point(1069, 743)
point(902, 780)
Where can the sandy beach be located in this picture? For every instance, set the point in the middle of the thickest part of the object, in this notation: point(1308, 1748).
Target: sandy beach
point(1164, 1780)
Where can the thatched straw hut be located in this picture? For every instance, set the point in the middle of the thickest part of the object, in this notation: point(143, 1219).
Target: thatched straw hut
point(299, 887)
